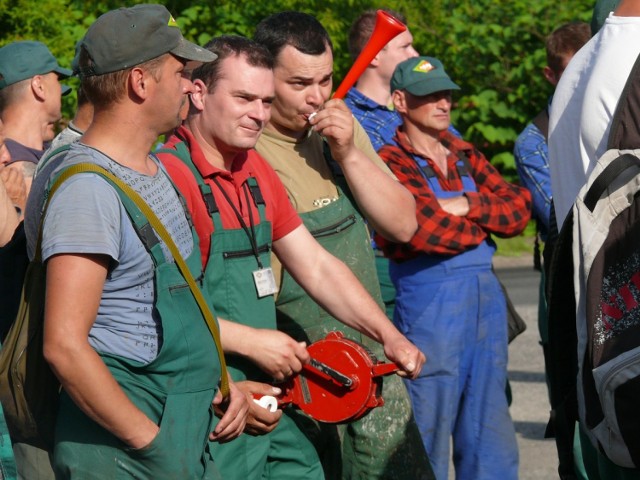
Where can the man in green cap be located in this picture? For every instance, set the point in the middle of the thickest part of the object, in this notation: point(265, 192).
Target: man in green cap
point(123, 333)
point(449, 302)
point(30, 100)
point(30, 97)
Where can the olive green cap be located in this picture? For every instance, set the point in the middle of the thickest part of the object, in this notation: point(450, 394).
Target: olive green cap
point(127, 37)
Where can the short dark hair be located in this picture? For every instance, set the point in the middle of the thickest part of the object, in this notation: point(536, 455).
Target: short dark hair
point(566, 40)
point(362, 28)
point(300, 30)
point(226, 46)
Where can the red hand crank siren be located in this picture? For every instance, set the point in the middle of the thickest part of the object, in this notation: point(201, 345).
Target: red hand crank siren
point(342, 382)
point(386, 28)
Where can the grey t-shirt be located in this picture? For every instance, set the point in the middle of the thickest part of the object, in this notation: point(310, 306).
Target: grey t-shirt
point(69, 135)
point(86, 216)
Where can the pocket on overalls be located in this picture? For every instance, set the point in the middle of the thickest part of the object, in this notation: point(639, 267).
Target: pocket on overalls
point(177, 449)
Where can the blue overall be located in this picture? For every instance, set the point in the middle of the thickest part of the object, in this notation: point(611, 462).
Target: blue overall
point(453, 309)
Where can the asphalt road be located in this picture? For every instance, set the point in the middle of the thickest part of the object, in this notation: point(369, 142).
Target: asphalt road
point(530, 407)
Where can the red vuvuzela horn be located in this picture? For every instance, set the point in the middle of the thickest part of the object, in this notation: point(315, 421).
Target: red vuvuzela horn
point(387, 27)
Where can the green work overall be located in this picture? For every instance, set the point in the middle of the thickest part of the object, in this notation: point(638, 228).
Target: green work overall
point(386, 442)
point(175, 390)
point(284, 453)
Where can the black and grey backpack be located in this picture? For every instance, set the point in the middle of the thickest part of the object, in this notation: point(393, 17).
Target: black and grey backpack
point(594, 304)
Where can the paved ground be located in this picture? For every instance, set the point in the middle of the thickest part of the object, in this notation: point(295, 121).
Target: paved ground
point(530, 407)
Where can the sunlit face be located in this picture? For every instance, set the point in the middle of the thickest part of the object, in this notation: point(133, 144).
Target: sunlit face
point(235, 112)
point(303, 83)
point(397, 50)
point(170, 95)
point(430, 113)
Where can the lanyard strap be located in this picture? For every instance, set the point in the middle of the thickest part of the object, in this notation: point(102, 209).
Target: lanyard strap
point(251, 234)
point(165, 236)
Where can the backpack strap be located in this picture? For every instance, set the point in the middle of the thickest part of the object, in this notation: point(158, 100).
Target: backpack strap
point(608, 175)
point(127, 193)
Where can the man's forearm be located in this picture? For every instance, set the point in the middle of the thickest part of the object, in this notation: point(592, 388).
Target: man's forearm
point(345, 298)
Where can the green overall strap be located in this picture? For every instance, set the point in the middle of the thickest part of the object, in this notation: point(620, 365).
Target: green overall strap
point(338, 175)
point(54, 153)
point(164, 235)
point(182, 152)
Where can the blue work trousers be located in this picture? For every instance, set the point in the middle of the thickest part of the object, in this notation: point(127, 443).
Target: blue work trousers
point(455, 312)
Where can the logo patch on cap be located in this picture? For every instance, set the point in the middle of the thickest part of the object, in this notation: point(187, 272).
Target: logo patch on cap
point(423, 67)
point(172, 22)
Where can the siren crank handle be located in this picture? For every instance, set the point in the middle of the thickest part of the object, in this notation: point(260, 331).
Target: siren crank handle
point(334, 374)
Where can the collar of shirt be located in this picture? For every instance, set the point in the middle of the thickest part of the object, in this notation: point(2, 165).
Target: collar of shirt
point(363, 102)
point(206, 169)
point(448, 139)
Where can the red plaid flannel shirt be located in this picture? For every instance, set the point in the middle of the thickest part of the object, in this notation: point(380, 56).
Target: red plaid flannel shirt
point(498, 207)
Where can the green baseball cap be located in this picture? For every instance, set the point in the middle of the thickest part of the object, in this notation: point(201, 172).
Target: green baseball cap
point(127, 37)
point(601, 11)
point(421, 76)
point(22, 60)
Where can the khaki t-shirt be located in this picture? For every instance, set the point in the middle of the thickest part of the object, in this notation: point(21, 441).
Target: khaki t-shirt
point(303, 169)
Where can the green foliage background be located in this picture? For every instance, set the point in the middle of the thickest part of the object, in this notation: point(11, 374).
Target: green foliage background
point(494, 50)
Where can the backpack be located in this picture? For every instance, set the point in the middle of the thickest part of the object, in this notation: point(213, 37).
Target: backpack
point(606, 254)
point(594, 299)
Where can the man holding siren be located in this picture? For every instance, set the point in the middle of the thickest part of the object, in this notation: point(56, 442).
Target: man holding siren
point(334, 178)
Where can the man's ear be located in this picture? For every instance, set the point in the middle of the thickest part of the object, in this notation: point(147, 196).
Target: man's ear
point(376, 61)
point(199, 94)
point(38, 88)
point(399, 101)
point(138, 81)
point(550, 75)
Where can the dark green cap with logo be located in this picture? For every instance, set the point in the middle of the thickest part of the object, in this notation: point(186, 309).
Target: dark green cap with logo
point(127, 37)
point(22, 60)
point(421, 76)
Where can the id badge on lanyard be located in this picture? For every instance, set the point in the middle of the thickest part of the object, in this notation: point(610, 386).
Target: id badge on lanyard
point(265, 282)
point(263, 278)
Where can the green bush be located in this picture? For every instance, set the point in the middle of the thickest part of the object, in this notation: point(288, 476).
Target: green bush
point(493, 50)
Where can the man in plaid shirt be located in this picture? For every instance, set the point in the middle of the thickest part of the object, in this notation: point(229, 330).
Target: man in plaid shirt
point(449, 302)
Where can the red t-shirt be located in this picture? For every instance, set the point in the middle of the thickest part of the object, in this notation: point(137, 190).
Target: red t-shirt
point(279, 210)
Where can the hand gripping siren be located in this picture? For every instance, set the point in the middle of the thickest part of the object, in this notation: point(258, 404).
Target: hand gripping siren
point(386, 28)
point(342, 382)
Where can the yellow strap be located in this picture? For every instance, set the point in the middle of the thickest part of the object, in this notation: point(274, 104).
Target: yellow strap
point(164, 235)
